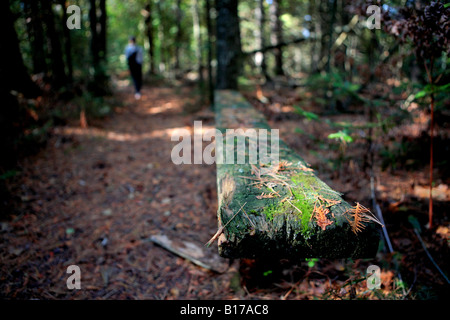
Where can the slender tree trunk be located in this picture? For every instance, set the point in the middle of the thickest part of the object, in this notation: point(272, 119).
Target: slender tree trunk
point(162, 47)
point(178, 36)
point(36, 35)
point(150, 36)
point(429, 71)
point(330, 33)
point(198, 48)
point(276, 35)
point(99, 84)
point(54, 44)
point(314, 56)
point(260, 57)
point(94, 34)
point(98, 30)
point(67, 43)
point(210, 54)
point(321, 24)
point(228, 44)
point(102, 32)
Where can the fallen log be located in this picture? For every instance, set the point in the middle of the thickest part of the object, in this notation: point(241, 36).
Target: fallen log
point(278, 207)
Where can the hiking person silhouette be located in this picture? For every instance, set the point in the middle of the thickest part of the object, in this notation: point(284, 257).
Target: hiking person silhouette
point(134, 57)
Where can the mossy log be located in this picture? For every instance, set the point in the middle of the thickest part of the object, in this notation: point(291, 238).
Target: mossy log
point(281, 209)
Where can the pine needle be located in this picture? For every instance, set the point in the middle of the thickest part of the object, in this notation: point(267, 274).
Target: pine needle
point(358, 215)
point(219, 232)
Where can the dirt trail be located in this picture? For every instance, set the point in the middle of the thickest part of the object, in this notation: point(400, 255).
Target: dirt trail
point(94, 196)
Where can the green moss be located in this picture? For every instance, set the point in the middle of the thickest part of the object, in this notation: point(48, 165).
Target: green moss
point(271, 211)
point(304, 179)
point(290, 207)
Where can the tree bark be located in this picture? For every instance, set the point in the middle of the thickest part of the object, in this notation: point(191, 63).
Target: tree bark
point(36, 35)
point(228, 44)
point(162, 47)
point(94, 34)
point(313, 29)
point(210, 53)
point(198, 48)
point(59, 77)
point(178, 35)
point(99, 84)
point(276, 35)
point(102, 19)
point(150, 36)
point(14, 75)
point(67, 43)
point(260, 57)
point(330, 33)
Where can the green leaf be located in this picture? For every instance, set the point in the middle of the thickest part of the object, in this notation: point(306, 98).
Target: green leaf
point(9, 174)
point(443, 88)
point(420, 94)
point(341, 135)
point(308, 115)
point(266, 273)
point(311, 262)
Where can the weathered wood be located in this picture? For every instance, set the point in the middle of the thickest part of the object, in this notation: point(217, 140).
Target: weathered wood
point(282, 209)
point(192, 252)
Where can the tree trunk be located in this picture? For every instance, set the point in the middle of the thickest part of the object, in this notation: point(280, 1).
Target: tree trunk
point(228, 44)
point(313, 29)
point(94, 34)
point(321, 26)
point(67, 42)
point(178, 36)
point(210, 53)
point(198, 48)
point(102, 32)
point(162, 47)
point(99, 84)
point(284, 210)
point(276, 36)
point(36, 35)
point(13, 73)
point(59, 78)
point(330, 33)
point(260, 57)
point(150, 35)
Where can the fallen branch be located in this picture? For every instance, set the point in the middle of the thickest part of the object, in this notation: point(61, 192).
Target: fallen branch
point(219, 232)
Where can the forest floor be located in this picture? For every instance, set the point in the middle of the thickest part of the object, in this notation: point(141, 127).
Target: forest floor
point(94, 196)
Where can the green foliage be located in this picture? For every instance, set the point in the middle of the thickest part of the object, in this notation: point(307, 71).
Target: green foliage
point(308, 115)
point(268, 272)
point(342, 136)
point(9, 174)
point(311, 262)
point(433, 89)
point(333, 85)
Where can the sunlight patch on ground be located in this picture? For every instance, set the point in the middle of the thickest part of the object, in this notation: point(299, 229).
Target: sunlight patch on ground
point(123, 83)
point(441, 192)
point(163, 108)
point(130, 137)
point(124, 137)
